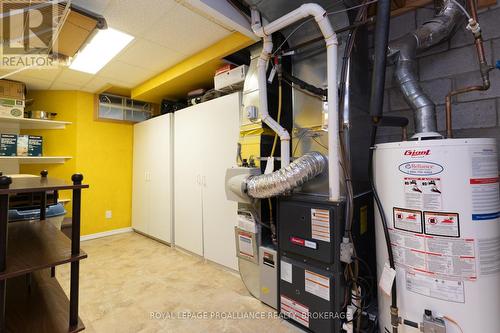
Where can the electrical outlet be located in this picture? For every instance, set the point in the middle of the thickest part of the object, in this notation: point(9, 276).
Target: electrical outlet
point(108, 214)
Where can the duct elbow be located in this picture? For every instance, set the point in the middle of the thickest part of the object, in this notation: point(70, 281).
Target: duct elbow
point(288, 178)
point(405, 50)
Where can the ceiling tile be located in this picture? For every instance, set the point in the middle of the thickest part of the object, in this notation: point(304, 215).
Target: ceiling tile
point(32, 83)
point(58, 85)
point(149, 55)
point(75, 78)
point(185, 31)
point(124, 75)
point(136, 17)
point(47, 74)
point(96, 84)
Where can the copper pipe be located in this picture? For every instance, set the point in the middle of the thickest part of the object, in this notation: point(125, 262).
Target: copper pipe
point(449, 128)
point(484, 68)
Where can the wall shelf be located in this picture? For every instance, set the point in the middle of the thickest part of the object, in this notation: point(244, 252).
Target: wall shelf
point(36, 159)
point(26, 123)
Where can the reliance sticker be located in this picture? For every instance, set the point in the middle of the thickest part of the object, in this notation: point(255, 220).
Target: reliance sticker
point(421, 168)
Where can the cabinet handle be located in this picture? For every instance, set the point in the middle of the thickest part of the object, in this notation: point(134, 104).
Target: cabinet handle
point(204, 180)
point(198, 179)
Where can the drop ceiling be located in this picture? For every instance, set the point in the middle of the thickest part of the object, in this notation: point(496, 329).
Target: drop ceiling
point(165, 31)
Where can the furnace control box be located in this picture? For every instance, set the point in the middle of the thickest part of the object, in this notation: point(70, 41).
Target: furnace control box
point(311, 229)
point(312, 288)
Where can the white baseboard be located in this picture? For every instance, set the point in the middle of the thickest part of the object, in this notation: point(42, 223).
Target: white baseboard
point(105, 234)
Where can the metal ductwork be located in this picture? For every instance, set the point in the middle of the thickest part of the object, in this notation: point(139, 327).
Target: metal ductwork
point(288, 178)
point(404, 51)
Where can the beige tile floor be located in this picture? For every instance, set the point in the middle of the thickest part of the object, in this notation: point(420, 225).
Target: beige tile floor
point(127, 277)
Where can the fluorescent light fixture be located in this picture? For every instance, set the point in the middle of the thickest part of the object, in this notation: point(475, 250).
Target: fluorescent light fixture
point(103, 47)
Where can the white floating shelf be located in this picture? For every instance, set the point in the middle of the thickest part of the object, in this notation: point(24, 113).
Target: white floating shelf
point(36, 159)
point(27, 123)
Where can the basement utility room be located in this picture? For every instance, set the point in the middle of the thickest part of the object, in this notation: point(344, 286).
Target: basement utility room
point(249, 166)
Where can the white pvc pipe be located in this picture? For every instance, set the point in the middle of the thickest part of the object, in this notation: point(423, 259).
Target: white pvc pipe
point(321, 19)
point(283, 134)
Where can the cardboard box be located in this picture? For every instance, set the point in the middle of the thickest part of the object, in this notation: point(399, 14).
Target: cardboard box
point(12, 89)
point(13, 108)
point(75, 31)
point(29, 145)
point(8, 144)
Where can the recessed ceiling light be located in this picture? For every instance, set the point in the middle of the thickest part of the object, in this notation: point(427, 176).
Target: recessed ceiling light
point(103, 47)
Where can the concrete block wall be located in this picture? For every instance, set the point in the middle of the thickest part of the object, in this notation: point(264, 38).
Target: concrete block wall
point(451, 65)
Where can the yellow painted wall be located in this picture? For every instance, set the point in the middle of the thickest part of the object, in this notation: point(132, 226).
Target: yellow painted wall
point(102, 152)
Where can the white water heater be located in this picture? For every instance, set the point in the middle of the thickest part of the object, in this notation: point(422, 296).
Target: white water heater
point(441, 200)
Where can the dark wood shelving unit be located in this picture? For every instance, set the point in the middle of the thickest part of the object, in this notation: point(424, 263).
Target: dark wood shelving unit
point(41, 308)
point(26, 238)
point(31, 299)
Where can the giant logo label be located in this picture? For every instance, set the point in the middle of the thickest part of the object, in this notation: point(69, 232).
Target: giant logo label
point(421, 168)
point(417, 153)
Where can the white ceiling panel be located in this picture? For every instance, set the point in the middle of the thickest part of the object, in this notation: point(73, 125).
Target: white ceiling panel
point(185, 31)
point(74, 77)
point(129, 75)
point(47, 74)
point(32, 83)
point(96, 84)
point(146, 54)
point(136, 17)
point(58, 85)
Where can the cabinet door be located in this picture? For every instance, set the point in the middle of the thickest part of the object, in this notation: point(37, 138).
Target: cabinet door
point(160, 180)
point(221, 134)
point(188, 222)
point(140, 185)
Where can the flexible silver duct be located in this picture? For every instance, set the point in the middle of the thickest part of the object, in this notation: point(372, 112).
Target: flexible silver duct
point(286, 179)
point(405, 49)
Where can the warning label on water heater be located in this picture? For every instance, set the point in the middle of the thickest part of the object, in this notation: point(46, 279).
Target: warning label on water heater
point(446, 290)
point(444, 257)
point(407, 219)
point(442, 224)
point(423, 193)
point(485, 187)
